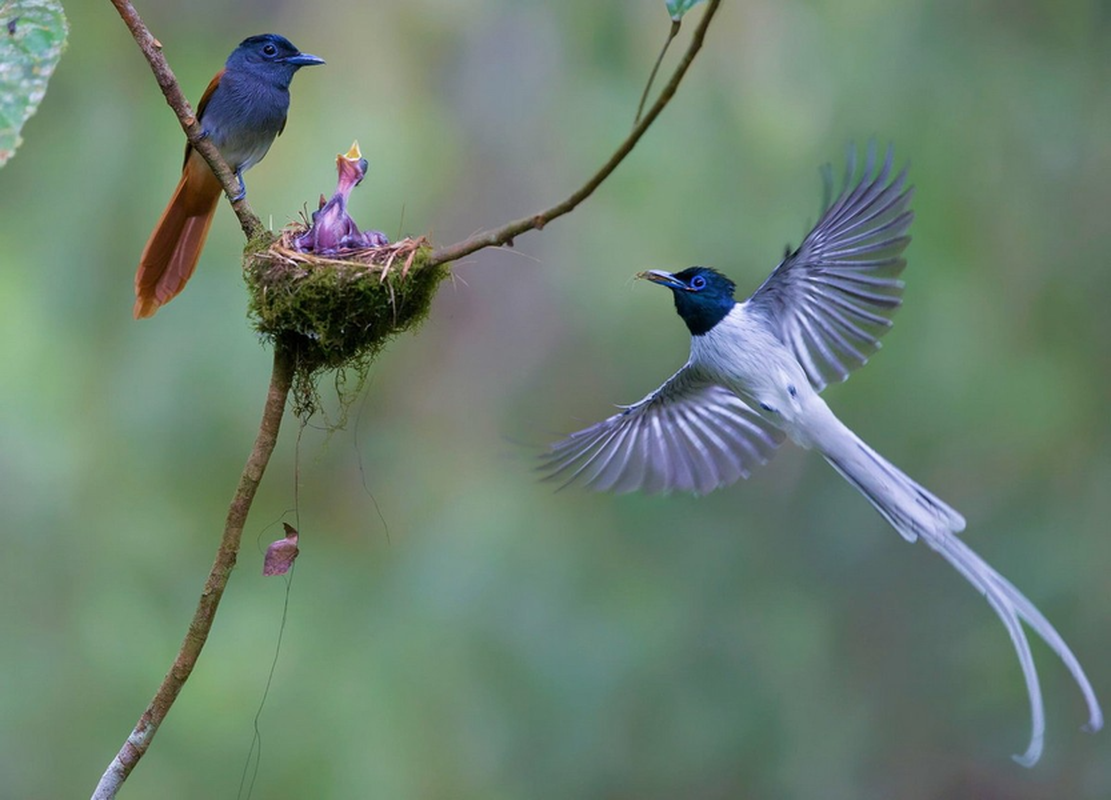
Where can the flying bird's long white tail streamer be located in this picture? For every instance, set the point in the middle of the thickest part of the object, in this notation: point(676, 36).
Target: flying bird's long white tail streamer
point(916, 513)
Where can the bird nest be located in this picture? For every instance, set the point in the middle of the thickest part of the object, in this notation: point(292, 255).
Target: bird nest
point(336, 311)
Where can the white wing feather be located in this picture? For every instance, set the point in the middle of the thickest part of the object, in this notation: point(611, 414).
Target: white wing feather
point(689, 435)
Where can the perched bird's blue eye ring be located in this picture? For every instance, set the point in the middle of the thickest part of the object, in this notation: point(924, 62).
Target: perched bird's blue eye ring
point(270, 50)
point(698, 283)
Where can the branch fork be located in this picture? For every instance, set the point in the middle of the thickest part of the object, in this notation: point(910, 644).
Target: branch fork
point(138, 742)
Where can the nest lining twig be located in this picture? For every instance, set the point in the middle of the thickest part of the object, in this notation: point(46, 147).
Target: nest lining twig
point(371, 258)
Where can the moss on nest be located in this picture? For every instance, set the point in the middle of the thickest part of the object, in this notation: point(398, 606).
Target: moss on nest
point(336, 312)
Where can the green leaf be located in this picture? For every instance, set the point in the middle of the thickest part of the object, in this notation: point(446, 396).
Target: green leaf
point(677, 8)
point(32, 37)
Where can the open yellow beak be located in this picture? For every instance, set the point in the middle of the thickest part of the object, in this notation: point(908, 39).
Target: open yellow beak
point(354, 154)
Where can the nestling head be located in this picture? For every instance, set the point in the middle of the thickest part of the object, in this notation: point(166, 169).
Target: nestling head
point(703, 296)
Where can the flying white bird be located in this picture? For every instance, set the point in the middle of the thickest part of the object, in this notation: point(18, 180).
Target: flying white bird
point(753, 378)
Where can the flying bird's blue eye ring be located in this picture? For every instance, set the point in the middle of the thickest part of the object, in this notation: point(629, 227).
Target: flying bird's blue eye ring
point(270, 50)
point(698, 283)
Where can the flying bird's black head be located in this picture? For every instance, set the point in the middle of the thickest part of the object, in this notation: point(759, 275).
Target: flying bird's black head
point(703, 296)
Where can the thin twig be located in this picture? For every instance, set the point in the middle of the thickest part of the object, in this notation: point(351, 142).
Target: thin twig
point(139, 740)
point(506, 233)
point(672, 32)
point(152, 49)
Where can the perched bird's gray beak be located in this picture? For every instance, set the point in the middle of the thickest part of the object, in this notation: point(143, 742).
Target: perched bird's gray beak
point(664, 279)
point(304, 60)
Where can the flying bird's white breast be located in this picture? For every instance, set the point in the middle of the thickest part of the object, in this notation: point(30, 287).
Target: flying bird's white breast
point(743, 354)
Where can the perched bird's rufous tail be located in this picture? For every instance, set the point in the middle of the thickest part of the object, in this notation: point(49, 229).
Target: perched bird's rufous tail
point(174, 247)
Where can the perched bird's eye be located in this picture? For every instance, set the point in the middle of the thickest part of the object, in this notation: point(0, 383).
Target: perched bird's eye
point(270, 50)
point(698, 283)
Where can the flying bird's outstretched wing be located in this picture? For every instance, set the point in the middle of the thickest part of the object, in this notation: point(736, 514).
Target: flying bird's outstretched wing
point(689, 435)
point(832, 299)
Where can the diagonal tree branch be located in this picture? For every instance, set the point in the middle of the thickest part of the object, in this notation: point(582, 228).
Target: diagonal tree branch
point(139, 740)
point(282, 375)
point(506, 233)
point(152, 49)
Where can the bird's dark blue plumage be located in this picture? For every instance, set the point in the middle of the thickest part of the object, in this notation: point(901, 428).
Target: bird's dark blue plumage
point(703, 297)
point(271, 57)
point(246, 106)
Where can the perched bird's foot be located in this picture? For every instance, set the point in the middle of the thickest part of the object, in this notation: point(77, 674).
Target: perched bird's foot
point(242, 187)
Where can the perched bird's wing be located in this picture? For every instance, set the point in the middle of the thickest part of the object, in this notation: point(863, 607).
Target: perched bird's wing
point(688, 435)
point(832, 298)
point(203, 104)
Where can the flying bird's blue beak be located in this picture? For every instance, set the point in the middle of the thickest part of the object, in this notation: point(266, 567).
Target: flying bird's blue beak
point(664, 279)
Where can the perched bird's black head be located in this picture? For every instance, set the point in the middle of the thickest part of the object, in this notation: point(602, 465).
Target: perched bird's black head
point(703, 296)
point(271, 55)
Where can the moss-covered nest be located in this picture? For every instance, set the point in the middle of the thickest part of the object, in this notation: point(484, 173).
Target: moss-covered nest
point(336, 312)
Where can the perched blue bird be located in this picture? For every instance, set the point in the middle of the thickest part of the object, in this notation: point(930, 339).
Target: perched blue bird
point(241, 112)
point(753, 379)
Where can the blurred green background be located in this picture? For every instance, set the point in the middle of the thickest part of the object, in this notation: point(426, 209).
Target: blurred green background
point(455, 628)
